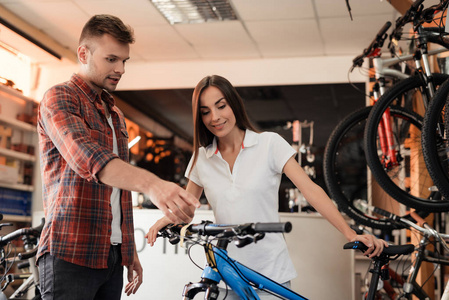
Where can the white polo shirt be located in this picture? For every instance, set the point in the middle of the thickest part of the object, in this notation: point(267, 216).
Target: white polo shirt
point(249, 194)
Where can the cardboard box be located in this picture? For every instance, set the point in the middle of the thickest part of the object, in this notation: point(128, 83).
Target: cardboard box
point(9, 174)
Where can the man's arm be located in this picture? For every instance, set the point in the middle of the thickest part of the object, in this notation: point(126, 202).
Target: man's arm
point(175, 202)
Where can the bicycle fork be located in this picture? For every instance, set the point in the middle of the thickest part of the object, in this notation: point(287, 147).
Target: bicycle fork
point(209, 280)
point(386, 139)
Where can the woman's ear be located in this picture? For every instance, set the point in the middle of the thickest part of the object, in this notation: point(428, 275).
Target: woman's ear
point(82, 54)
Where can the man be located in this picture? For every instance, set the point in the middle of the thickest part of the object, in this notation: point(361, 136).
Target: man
point(89, 236)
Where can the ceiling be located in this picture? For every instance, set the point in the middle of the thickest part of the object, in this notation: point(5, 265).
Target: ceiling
point(265, 29)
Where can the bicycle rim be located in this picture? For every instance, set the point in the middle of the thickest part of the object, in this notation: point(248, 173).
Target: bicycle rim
point(407, 181)
point(346, 173)
point(435, 140)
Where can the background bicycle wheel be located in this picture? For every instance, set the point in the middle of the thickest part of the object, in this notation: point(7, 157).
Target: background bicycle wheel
point(346, 172)
point(435, 140)
point(408, 181)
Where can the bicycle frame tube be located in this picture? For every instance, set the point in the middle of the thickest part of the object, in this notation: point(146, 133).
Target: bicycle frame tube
point(232, 272)
point(411, 287)
point(382, 65)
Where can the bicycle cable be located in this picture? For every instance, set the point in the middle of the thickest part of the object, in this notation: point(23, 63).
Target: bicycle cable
point(10, 247)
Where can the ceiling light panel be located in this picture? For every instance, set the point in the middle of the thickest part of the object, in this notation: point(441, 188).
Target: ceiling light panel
point(195, 11)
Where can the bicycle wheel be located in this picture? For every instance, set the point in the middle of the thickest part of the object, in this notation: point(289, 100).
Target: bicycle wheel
point(406, 179)
point(435, 142)
point(346, 172)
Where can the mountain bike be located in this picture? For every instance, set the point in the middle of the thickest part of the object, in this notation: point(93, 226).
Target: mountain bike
point(214, 238)
point(428, 236)
point(380, 263)
point(9, 257)
point(344, 164)
point(389, 165)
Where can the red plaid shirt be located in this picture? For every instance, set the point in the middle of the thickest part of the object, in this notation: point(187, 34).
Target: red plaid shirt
point(75, 143)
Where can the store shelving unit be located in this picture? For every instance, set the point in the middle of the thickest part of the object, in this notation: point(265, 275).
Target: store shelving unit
point(12, 103)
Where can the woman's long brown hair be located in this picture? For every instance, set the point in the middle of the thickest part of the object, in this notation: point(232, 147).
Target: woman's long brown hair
point(202, 137)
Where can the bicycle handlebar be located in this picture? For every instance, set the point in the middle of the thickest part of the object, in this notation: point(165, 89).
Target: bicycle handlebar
point(26, 255)
point(375, 44)
point(426, 16)
point(410, 14)
point(389, 251)
point(207, 228)
point(245, 233)
point(31, 231)
point(425, 228)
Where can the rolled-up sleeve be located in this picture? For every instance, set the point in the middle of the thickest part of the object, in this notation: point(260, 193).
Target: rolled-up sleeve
point(78, 137)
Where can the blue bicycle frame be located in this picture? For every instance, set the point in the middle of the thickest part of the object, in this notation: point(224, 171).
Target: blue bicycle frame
point(238, 277)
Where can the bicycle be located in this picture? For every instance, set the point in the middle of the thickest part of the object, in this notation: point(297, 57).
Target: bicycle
point(30, 237)
point(345, 161)
point(214, 238)
point(435, 135)
point(389, 168)
point(428, 236)
point(381, 262)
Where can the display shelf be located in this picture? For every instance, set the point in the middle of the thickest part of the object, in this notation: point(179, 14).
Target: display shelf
point(14, 93)
point(17, 186)
point(17, 124)
point(17, 155)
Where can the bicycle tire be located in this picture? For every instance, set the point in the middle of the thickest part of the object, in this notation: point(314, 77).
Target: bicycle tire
point(414, 195)
point(435, 141)
point(345, 170)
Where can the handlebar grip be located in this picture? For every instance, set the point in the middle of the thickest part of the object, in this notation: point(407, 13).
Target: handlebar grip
point(4, 240)
point(355, 245)
point(416, 4)
point(384, 213)
point(273, 227)
point(384, 29)
point(27, 255)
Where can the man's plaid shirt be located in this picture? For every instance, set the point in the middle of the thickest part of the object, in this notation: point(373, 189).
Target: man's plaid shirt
point(75, 143)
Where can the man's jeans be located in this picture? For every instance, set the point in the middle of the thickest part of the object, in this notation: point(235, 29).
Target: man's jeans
point(63, 280)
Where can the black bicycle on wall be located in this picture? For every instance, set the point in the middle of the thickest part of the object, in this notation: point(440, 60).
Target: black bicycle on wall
point(19, 276)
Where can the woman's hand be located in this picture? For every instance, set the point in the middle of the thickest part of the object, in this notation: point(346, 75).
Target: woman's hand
point(375, 245)
point(152, 232)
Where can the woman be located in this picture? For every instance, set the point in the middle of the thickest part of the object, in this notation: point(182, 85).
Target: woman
point(240, 171)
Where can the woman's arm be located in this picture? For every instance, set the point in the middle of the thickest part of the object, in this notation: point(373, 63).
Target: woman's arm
point(316, 196)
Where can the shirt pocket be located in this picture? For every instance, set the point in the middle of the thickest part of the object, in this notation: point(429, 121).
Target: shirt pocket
point(97, 129)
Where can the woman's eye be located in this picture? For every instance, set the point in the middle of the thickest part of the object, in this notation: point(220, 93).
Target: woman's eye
point(203, 113)
point(223, 106)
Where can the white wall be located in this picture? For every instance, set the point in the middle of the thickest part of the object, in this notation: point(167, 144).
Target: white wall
point(186, 74)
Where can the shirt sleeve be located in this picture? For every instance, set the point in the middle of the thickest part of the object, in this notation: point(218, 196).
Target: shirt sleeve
point(61, 120)
point(280, 151)
point(193, 176)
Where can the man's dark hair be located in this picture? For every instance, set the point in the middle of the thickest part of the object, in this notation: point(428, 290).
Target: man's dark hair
point(99, 25)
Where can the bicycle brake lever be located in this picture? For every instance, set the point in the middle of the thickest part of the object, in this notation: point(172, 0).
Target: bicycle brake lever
point(248, 239)
point(242, 242)
point(174, 240)
point(5, 224)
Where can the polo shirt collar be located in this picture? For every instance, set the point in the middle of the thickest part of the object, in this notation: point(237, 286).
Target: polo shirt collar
point(251, 138)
